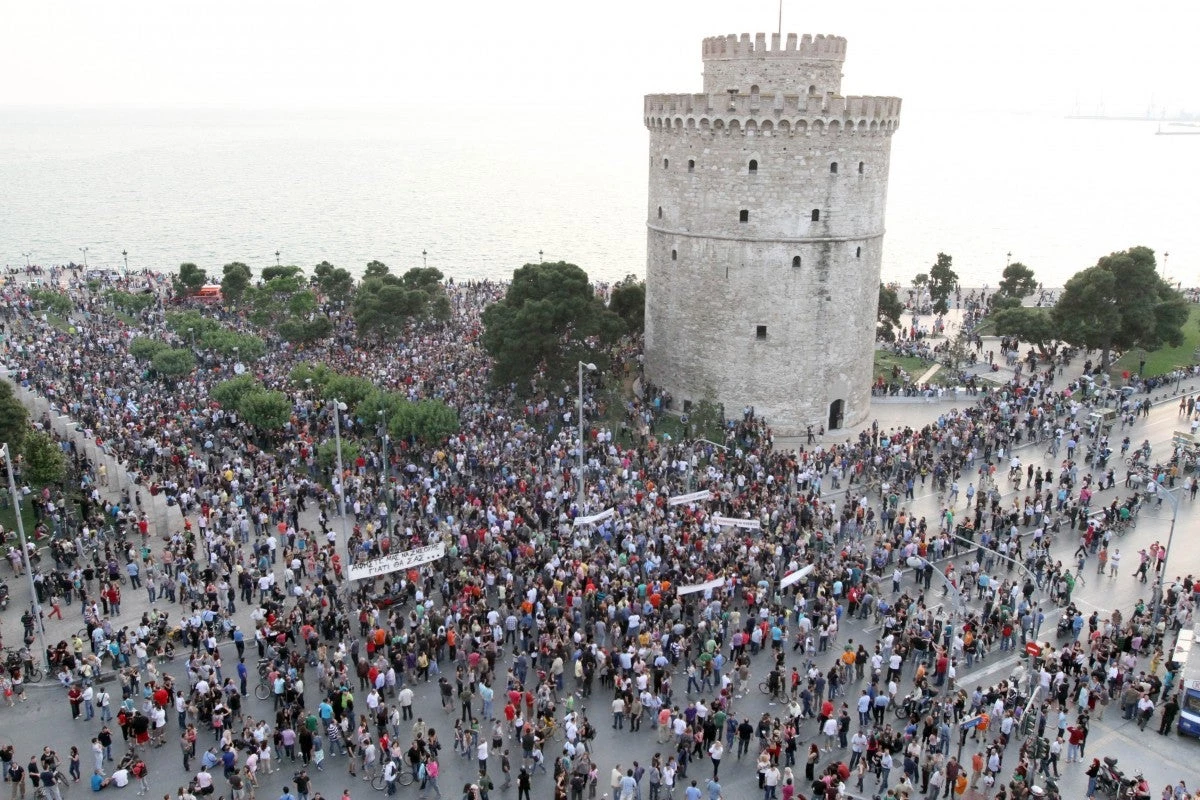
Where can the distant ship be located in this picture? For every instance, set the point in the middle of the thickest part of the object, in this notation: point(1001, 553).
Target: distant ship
point(1154, 113)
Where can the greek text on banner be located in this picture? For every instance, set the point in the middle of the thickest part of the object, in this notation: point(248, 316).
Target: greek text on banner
point(737, 522)
point(694, 497)
point(397, 561)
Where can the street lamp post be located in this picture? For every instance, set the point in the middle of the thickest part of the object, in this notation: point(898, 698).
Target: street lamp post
point(277, 258)
point(590, 367)
point(541, 256)
point(1162, 571)
point(84, 251)
point(125, 255)
point(36, 610)
point(27, 255)
point(338, 408)
point(192, 334)
point(424, 258)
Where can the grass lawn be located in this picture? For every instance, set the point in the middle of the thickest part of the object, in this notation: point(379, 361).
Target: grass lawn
point(1168, 358)
point(9, 520)
point(885, 361)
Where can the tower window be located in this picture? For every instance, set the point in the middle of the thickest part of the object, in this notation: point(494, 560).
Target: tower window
point(816, 215)
point(691, 165)
point(860, 167)
point(753, 166)
point(760, 332)
point(796, 262)
point(660, 212)
point(744, 215)
point(666, 163)
point(833, 168)
point(674, 255)
point(858, 252)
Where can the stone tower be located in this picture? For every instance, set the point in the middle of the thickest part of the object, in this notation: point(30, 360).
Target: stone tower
point(765, 233)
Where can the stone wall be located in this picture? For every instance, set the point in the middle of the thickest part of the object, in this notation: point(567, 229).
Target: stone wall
point(763, 258)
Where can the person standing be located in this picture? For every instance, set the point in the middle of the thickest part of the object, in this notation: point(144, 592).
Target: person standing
point(1169, 710)
point(715, 752)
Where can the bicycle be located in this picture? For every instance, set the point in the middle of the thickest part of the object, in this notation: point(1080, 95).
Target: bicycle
point(263, 690)
point(404, 777)
point(779, 694)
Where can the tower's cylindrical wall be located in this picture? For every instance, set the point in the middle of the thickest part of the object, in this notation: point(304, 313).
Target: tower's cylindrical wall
point(750, 301)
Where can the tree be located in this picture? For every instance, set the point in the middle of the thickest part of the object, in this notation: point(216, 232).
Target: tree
point(628, 301)
point(143, 348)
point(228, 394)
point(235, 281)
point(427, 421)
point(271, 273)
point(890, 310)
point(190, 279)
point(384, 304)
point(13, 417)
point(1018, 281)
point(1033, 325)
point(334, 282)
point(376, 269)
point(44, 461)
point(298, 331)
point(349, 389)
point(942, 280)
point(1121, 303)
point(131, 302)
point(319, 374)
point(50, 300)
point(225, 342)
point(327, 453)
point(548, 320)
point(173, 362)
point(267, 411)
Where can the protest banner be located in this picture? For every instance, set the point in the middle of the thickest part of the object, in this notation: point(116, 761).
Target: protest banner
point(393, 562)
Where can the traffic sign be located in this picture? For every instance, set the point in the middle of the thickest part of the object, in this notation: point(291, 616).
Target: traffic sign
point(1033, 649)
point(973, 722)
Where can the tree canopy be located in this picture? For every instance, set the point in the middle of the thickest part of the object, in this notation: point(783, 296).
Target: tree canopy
point(1033, 325)
point(890, 309)
point(267, 411)
point(336, 283)
point(190, 278)
point(235, 281)
point(1017, 281)
point(942, 280)
point(173, 362)
point(546, 322)
point(628, 301)
point(13, 417)
point(44, 460)
point(1119, 304)
point(385, 303)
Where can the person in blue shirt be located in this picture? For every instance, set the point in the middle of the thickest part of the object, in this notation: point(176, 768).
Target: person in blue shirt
point(242, 672)
point(99, 782)
point(287, 794)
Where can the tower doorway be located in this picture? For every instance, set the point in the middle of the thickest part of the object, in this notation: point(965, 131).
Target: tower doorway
point(836, 409)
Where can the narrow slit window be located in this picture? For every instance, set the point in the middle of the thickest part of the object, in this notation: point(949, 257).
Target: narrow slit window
point(833, 168)
point(753, 166)
point(660, 212)
point(666, 163)
point(760, 332)
point(691, 165)
point(858, 252)
point(796, 262)
point(744, 215)
point(674, 255)
point(816, 215)
point(860, 167)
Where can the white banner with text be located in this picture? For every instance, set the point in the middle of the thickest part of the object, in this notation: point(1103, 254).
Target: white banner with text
point(394, 562)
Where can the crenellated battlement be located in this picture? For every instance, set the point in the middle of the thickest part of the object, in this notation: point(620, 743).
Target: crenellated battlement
point(819, 47)
point(778, 111)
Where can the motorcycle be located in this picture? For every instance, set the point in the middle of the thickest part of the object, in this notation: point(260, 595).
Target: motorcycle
point(915, 703)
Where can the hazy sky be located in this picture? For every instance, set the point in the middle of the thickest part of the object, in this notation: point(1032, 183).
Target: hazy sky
point(1036, 56)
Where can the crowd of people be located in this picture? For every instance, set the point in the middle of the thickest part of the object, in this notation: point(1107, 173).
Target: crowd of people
point(527, 611)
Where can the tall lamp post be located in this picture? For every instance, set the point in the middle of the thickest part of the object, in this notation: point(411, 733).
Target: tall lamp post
point(16, 501)
point(125, 255)
point(590, 367)
point(424, 258)
point(84, 251)
point(277, 258)
point(27, 255)
point(1162, 572)
point(338, 408)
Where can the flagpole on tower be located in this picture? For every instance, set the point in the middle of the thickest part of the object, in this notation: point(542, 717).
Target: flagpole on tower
point(780, 19)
